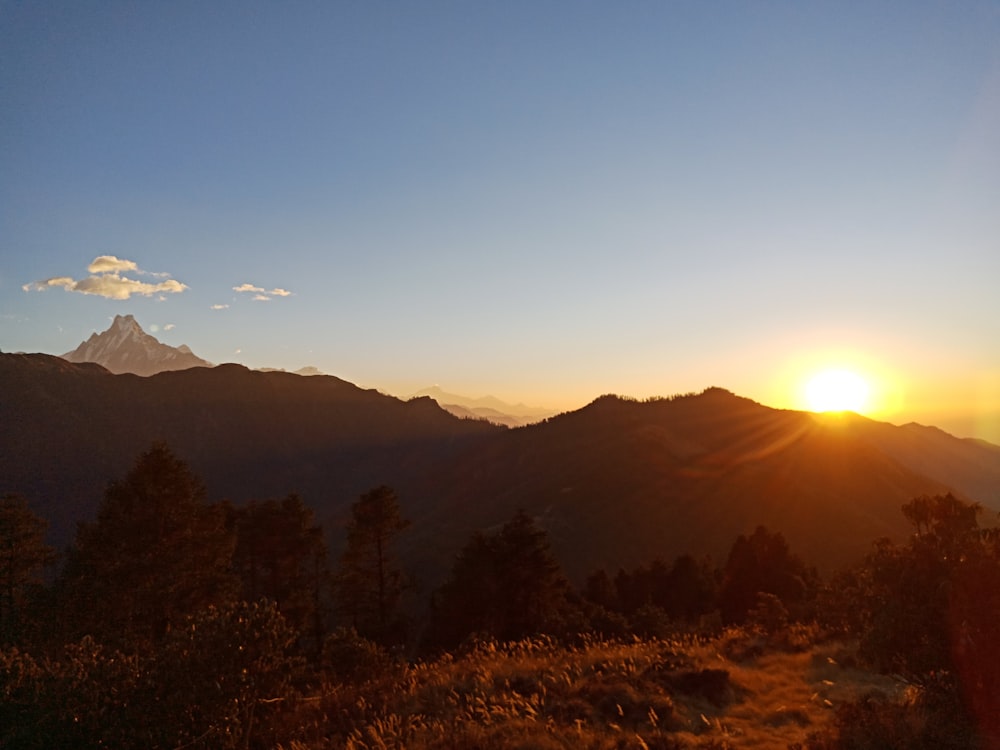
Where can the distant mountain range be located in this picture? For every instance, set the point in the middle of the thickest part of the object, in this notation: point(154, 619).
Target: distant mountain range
point(125, 347)
point(487, 407)
point(615, 484)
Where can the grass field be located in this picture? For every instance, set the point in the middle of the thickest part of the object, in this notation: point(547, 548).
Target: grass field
point(737, 690)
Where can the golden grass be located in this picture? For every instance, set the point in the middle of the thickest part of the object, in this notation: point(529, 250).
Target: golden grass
point(735, 691)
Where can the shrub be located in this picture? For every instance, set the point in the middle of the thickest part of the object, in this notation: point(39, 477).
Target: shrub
point(347, 657)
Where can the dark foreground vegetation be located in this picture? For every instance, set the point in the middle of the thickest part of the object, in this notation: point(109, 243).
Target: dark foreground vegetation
point(175, 622)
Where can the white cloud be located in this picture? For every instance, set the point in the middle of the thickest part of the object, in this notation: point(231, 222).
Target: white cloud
point(260, 294)
point(109, 264)
point(106, 280)
point(169, 327)
point(113, 286)
point(41, 286)
point(219, 307)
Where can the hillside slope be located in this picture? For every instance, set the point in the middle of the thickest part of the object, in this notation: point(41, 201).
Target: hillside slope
point(70, 428)
point(615, 484)
point(621, 482)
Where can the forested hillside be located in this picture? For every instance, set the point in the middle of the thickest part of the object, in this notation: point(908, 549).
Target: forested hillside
point(177, 620)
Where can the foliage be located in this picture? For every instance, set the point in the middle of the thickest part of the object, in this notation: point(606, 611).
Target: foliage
point(759, 563)
point(82, 698)
point(507, 585)
point(156, 554)
point(655, 598)
point(369, 583)
point(23, 555)
point(212, 684)
point(347, 657)
point(929, 718)
point(280, 555)
point(930, 610)
point(217, 678)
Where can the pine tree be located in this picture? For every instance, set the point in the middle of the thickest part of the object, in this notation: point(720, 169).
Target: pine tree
point(281, 555)
point(369, 584)
point(506, 585)
point(156, 554)
point(23, 555)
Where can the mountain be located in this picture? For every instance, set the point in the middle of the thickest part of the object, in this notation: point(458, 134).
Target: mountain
point(616, 483)
point(125, 347)
point(487, 407)
point(620, 482)
point(70, 428)
point(969, 465)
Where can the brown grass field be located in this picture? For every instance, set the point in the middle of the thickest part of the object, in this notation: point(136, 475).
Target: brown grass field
point(737, 690)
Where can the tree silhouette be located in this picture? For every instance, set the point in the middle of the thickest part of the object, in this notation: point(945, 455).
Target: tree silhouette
point(156, 554)
point(23, 555)
point(281, 555)
point(930, 610)
point(760, 563)
point(368, 582)
point(507, 586)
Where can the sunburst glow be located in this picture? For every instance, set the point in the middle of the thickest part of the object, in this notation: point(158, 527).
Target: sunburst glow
point(837, 390)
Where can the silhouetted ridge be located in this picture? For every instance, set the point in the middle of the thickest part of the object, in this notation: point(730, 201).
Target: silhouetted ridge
point(69, 427)
point(615, 484)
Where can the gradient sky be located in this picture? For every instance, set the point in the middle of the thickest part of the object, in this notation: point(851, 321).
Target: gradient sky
point(543, 201)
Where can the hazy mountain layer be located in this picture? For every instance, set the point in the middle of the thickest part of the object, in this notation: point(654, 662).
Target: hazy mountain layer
point(486, 407)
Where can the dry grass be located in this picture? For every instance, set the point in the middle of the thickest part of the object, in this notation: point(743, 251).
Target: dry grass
point(736, 691)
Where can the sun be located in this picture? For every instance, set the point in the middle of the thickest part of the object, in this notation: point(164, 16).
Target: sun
point(837, 390)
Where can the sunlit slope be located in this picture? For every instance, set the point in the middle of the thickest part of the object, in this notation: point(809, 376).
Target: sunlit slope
point(620, 482)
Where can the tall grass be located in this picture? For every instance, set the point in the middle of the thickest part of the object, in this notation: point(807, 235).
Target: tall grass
point(740, 689)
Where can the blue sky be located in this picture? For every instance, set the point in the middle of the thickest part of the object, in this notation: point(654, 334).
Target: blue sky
point(544, 201)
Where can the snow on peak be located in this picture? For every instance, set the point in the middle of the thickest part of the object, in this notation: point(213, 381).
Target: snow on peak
point(125, 347)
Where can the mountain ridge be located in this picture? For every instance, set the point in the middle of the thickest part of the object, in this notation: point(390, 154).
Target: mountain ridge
point(615, 483)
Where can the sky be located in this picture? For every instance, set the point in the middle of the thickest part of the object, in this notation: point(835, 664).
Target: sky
point(542, 201)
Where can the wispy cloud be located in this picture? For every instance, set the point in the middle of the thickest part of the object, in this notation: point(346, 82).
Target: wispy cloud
point(260, 294)
point(169, 327)
point(107, 280)
point(219, 307)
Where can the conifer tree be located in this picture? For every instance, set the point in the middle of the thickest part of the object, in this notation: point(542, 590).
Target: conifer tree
point(506, 585)
point(369, 583)
point(156, 553)
point(760, 563)
point(23, 555)
point(281, 555)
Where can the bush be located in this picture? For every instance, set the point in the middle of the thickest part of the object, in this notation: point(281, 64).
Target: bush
point(931, 719)
point(347, 657)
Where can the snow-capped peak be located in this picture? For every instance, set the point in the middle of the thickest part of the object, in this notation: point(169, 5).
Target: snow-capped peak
point(125, 347)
